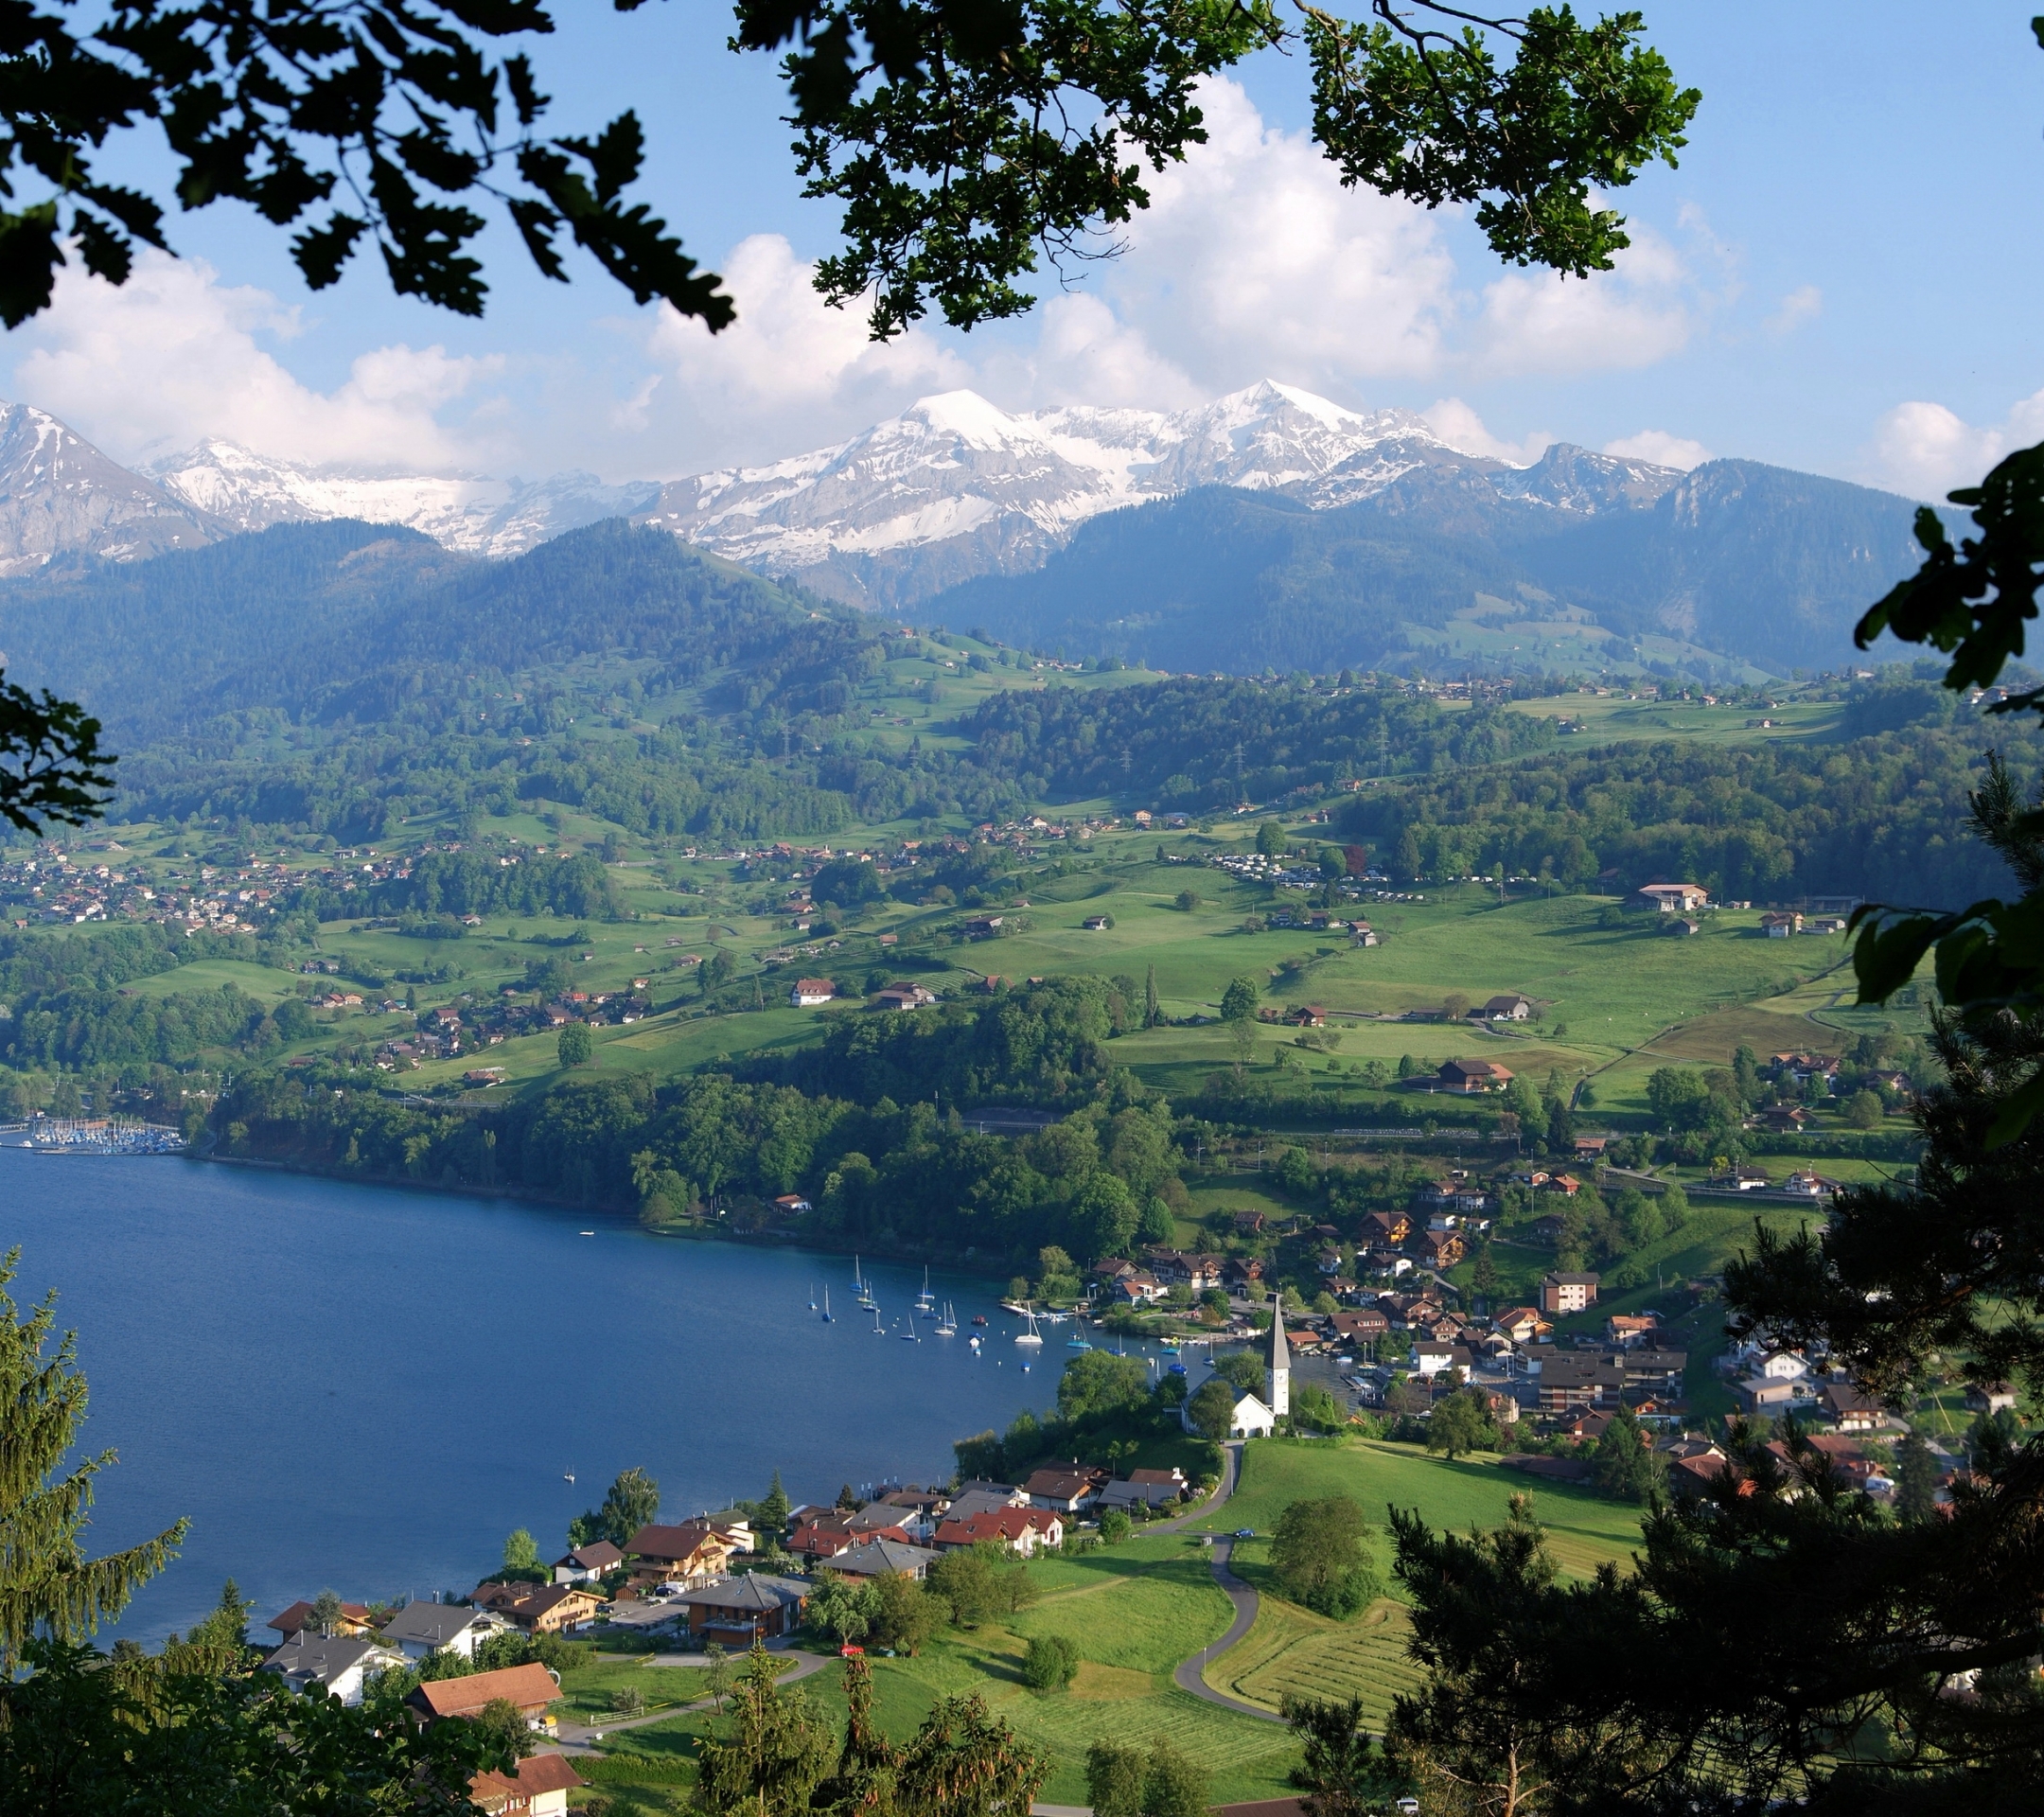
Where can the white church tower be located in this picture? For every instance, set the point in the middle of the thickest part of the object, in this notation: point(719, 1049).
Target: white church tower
point(1278, 1370)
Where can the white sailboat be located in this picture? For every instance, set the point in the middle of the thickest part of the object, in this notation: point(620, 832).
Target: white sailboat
point(1032, 1335)
point(861, 1289)
point(877, 1330)
point(926, 1300)
point(911, 1336)
point(948, 1325)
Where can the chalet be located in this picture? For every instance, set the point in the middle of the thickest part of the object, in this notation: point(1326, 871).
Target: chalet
point(1248, 1224)
point(1591, 1148)
point(1779, 924)
point(1506, 1009)
point(1563, 1294)
point(791, 1204)
point(1386, 1228)
point(1471, 1076)
point(1307, 1015)
point(757, 1606)
point(1990, 1397)
point(354, 1619)
point(1671, 898)
point(1764, 1393)
point(1682, 926)
point(904, 996)
point(1459, 1196)
point(1020, 1530)
point(1782, 1119)
point(1241, 1274)
point(339, 1665)
point(1098, 923)
point(535, 1786)
point(883, 1556)
point(1362, 933)
point(1851, 1410)
point(1140, 1288)
point(1522, 1325)
point(1565, 1183)
point(1154, 1488)
point(691, 1553)
point(809, 992)
point(539, 1608)
point(527, 1689)
point(1433, 1356)
point(1626, 1329)
point(1364, 1326)
point(981, 926)
point(1065, 1488)
point(422, 1628)
point(1694, 1465)
point(1442, 1248)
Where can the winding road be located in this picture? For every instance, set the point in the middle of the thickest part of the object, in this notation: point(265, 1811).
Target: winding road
point(1190, 1674)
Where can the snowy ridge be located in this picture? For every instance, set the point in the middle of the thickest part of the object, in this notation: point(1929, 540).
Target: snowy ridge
point(476, 516)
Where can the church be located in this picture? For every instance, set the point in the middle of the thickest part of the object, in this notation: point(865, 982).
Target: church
point(1258, 1418)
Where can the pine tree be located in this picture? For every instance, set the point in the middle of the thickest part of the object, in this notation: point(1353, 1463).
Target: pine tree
point(47, 1585)
point(778, 1752)
point(773, 1511)
point(863, 1785)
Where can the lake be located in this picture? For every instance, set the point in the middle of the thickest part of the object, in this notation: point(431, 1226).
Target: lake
point(365, 1389)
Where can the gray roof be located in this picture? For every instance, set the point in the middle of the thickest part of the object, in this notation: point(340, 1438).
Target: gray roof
point(982, 1501)
point(1280, 1352)
point(755, 1590)
point(320, 1657)
point(876, 1558)
point(432, 1624)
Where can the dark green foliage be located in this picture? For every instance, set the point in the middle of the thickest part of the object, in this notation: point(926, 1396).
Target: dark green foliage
point(1624, 1463)
point(1114, 1774)
point(51, 766)
point(1242, 1371)
point(981, 1582)
point(194, 1732)
point(1338, 1772)
point(1212, 1409)
point(633, 1501)
point(1461, 1422)
point(1098, 1383)
point(1319, 1557)
point(1916, 1478)
point(575, 1045)
point(1050, 1663)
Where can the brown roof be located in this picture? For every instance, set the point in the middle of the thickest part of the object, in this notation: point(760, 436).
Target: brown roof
point(530, 1777)
point(300, 1611)
point(682, 1542)
point(527, 1687)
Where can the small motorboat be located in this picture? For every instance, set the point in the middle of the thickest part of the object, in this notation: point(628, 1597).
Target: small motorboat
point(980, 1318)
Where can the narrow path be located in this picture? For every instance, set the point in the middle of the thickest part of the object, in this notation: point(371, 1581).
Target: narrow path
point(576, 1738)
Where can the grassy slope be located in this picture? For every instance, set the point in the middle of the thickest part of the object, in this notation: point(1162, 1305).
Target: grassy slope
point(1133, 1611)
point(1291, 1648)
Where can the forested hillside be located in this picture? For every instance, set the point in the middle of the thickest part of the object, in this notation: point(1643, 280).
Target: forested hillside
point(1882, 816)
point(1757, 564)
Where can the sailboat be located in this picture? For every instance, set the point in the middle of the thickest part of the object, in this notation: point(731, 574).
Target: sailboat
point(567, 1476)
point(948, 1325)
point(1032, 1335)
point(926, 1300)
point(1077, 1342)
point(877, 1331)
point(827, 1318)
point(812, 1297)
point(861, 1289)
point(911, 1336)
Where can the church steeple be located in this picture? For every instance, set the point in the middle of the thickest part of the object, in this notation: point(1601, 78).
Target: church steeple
point(1277, 1371)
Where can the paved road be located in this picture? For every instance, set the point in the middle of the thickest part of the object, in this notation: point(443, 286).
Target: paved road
point(1190, 1673)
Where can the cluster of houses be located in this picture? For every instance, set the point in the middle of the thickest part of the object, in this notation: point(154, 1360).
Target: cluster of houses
point(686, 1577)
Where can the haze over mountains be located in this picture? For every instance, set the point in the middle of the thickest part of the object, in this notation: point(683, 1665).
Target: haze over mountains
point(1271, 528)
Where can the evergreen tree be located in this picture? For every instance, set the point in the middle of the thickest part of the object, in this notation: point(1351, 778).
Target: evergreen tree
point(1916, 1478)
point(964, 1761)
point(227, 1626)
point(863, 1786)
point(47, 1584)
point(1152, 1010)
point(1624, 1463)
point(777, 1752)
point(1114, 1774)
point(1338, 1773)
point(773, 1511)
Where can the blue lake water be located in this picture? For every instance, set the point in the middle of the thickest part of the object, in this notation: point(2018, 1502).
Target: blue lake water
point(365, 1389)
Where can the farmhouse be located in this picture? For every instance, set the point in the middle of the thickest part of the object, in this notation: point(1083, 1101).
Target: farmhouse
point(1473, 1075)
point(538, 1787)
point(692, 1552)
point(1506, 1009)
point(1778, 924)
point(904, 996)
point(1671, 898)
point(527, 1689)
point(809, 992)
point(754, 1607)
point(339, 1665)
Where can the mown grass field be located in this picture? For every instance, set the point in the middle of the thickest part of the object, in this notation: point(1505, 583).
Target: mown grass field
point(1133, 1611)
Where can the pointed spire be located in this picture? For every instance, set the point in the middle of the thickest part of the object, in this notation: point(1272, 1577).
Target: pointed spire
point(1281, 1351)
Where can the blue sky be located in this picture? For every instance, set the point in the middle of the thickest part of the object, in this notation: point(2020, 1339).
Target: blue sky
point(1841, 276)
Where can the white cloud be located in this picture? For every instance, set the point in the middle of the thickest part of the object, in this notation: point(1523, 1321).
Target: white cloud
point(1803, 303)
point(1253, 262)
point(1640, 313)
point(789, 366)
point(1924, 450)
point(174, 356)
point(1658, 445)
point(1460, 426)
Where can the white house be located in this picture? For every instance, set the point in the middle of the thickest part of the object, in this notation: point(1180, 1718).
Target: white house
point(422, 1628)
point(587, 1562)
point(809, 992)
point(339, 1665)
point(1783, 1366)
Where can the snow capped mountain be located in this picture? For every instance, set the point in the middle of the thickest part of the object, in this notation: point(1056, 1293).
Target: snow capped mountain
point(955, 485)
point(952, 488)
point(58, 493)
point(481, 517)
